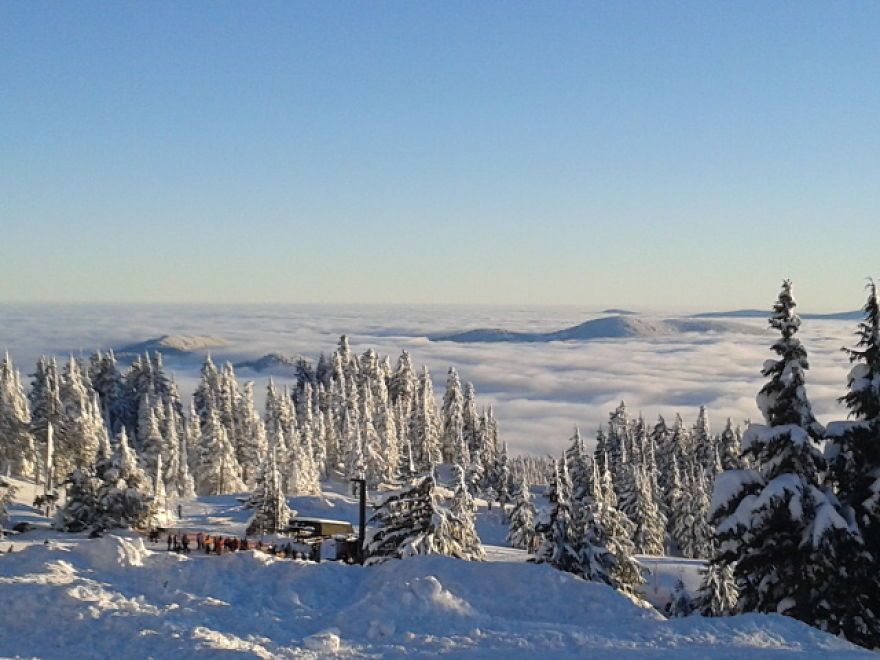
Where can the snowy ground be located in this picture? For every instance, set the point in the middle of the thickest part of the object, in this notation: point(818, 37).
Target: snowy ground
point(67, 596)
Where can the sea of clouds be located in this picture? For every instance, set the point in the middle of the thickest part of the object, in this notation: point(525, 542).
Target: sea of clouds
point(540, 391)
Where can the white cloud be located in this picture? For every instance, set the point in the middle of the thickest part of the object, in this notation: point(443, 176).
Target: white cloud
point(540, 391)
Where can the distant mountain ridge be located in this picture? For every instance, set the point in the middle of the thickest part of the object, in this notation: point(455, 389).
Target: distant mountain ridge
point(763, 313)
point(274, 363)
point(173, 345)
point(609, 327)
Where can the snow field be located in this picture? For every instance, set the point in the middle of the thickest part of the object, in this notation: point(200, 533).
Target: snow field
point(118, 597)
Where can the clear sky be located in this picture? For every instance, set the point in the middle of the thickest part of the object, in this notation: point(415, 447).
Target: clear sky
point(609, 153)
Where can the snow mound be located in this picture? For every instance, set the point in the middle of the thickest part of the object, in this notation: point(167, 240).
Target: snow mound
point(114, 552)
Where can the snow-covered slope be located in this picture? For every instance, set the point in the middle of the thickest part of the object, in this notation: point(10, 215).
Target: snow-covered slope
point(117, 597)
point(609, 327)
point(114, 597)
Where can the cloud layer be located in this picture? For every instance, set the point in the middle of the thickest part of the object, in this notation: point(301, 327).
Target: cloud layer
point(540, 391)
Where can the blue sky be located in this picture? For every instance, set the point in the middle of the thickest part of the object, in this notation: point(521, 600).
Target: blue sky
point(625, 153)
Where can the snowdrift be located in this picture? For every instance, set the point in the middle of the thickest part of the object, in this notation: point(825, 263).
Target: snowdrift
point(115, 597)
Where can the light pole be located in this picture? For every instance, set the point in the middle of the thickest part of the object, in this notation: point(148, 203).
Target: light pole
point(362, 515)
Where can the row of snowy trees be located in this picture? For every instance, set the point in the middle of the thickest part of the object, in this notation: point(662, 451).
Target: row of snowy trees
point(799, 526)
point(659, 477)
point(352, 416)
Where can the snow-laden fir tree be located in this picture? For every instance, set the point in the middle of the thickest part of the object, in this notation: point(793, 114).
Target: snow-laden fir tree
point(559, 546)
point(730, 447)
point(703, 441)
point(171, 451)
point(218, 472)
point(272, 514)
point(471, 424)
point(690, 527)
point(152, 443)
point(252, 446)
point(160, 495)
point(463, 510)
point(303, 477)
point(183, 482)
point(627, 574)
point(521, 532)
point(122, 498)
point(718, 593)
point(782, 531)
point(108, 383)
point(18, 452)
point(46, 412)
point(595, 562)
point(579, 468)
point(452, 414)
point(402, 388)
point(681, 602)
point(76, 440)
point(424, 427)
point(501, 478)
point(650, 523)
point(80, 509)
point(853, 453)
point(413, 521)
point(389, 446)
point(374, 459)
point(7, 496)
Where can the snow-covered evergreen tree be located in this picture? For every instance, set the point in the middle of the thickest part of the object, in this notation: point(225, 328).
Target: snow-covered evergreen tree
point(18, 451)
point(303, 477)
point(782, 530)
point(46, 413)
point(559, 547)
point(80, 509)
point(681, 602)
point(152, 442)
point(471, 424)
point(402, 388)
point(81, 425)
point(412, 522)
point(424, 427)
point(7, 496)
point(122, 494)
point(453, 420)
point(704, 441)
point(219, 472)
point(251, 435)
point(853, 454)
point(463, 527)
point(730, 447)
point(521, 531)
point(110, 386)
point(650, 523)
point(627, 574)
point(579, 468)
point(718, 593)
point(272, 514)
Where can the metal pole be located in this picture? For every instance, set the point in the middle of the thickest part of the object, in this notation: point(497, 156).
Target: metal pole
point(362, 514)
